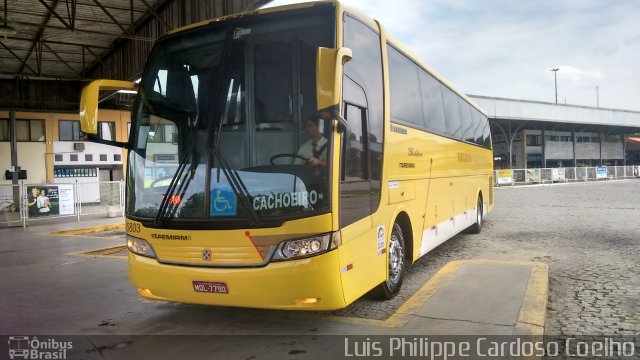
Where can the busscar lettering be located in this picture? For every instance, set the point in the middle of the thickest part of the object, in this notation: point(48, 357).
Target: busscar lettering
point(285, 200)
point(407, 165)
point(171, 237)
point(398, 129)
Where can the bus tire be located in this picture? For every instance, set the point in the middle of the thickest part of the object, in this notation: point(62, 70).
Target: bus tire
point(397, 265)
point(477, 227)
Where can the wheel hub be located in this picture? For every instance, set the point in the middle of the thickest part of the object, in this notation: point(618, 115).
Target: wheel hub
point(396, 259)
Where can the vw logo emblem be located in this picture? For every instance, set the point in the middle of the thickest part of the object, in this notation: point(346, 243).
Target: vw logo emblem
point(206, 254)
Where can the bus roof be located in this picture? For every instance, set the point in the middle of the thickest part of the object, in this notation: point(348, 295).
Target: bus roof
point(352, 10)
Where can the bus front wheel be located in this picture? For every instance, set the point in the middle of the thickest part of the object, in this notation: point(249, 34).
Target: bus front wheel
point(396, 260)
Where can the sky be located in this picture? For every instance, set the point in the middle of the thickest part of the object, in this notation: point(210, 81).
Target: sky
point(507, 48)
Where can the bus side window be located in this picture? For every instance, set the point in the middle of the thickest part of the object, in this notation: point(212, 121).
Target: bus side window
point(355, 145)
point(355, 198)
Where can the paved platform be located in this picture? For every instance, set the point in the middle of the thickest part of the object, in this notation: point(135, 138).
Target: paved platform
point(47, 290)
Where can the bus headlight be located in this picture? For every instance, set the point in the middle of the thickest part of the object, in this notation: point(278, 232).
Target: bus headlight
point(140, 247)
point(299, 248)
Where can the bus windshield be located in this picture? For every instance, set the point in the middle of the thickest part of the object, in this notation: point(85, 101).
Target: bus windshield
point(225, 127)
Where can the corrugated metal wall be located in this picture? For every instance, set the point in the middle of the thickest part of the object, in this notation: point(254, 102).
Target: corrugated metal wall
point(127, 59)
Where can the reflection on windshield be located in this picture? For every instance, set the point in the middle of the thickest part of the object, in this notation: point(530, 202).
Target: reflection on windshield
point(226, 124)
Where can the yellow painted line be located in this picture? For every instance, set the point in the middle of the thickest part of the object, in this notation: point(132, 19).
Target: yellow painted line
point(533, 312)
point(531, 318)
point(101, 252)
point(401, 316)
point(88, 230)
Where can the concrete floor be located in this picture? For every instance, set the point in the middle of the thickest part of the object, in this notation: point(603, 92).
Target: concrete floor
point(46, 291)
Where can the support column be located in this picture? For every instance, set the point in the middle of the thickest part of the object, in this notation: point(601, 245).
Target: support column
point(544, 150)
point(600, 138)
point(14, 157)
point(510, 145)
point(624, 150)
point(573, 138)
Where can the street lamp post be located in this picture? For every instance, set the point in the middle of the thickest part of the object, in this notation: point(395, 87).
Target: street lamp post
point(555, 80)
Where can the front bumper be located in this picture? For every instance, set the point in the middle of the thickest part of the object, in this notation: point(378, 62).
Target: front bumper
point(278, 285)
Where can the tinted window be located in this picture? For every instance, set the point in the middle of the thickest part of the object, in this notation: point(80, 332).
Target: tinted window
point(406, 102)
point(432, 103)
point(452, 113)
point(486, 134)
point(478, 125)
point(466, 120)
point(364, 87)
point(365, 69)
point(354, 145)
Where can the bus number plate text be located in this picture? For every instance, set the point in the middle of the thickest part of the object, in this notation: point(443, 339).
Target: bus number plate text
point(215, 287)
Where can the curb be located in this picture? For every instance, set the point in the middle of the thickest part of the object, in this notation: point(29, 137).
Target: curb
point(88, 230)
point(611, 181)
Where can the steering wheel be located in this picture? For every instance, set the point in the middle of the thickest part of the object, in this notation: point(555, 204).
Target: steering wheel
point(296, 156)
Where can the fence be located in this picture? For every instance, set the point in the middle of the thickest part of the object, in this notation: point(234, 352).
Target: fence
point(24, 203)
point(512, 177)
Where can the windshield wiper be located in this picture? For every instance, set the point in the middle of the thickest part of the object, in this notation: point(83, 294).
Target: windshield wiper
point(236, 184)
point(179, 183)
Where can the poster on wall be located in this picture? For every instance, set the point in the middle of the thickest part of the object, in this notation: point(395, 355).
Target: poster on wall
point(601, 172)
point(504, 177)
point(50, 200)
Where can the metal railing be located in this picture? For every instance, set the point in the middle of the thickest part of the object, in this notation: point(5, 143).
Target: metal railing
point(512, 177)
point(24, 203)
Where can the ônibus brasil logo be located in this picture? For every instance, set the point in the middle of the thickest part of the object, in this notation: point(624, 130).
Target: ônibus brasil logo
point(32, 348)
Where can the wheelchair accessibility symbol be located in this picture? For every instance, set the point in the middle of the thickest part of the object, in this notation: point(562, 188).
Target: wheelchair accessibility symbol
point(223, 202)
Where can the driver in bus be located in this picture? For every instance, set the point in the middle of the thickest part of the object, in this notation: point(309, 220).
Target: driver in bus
point(315, 149)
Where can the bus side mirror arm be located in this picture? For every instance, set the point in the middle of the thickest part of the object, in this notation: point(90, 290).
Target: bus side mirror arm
point(89, 107)
point(329, 64)
point(95, 139)
point(342, 122)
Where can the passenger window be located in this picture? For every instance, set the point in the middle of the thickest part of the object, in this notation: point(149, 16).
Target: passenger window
point(478, 124)
point(432, 103)
point(452, 113)
point(487, 135)
point(406, 102)
point(466, 120)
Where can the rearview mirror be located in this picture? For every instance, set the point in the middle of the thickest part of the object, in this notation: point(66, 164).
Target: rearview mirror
point(329, 64)
point(89, 106)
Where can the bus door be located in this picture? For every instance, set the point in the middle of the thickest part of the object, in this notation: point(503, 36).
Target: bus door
point(362, 261)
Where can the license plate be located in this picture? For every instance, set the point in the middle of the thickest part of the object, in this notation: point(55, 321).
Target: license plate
point(215, 287)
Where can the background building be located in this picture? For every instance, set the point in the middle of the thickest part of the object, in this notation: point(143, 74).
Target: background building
point(50, 147)
point(544, 135)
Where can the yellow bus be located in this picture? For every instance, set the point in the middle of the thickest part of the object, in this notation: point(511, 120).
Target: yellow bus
point(311, 159)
